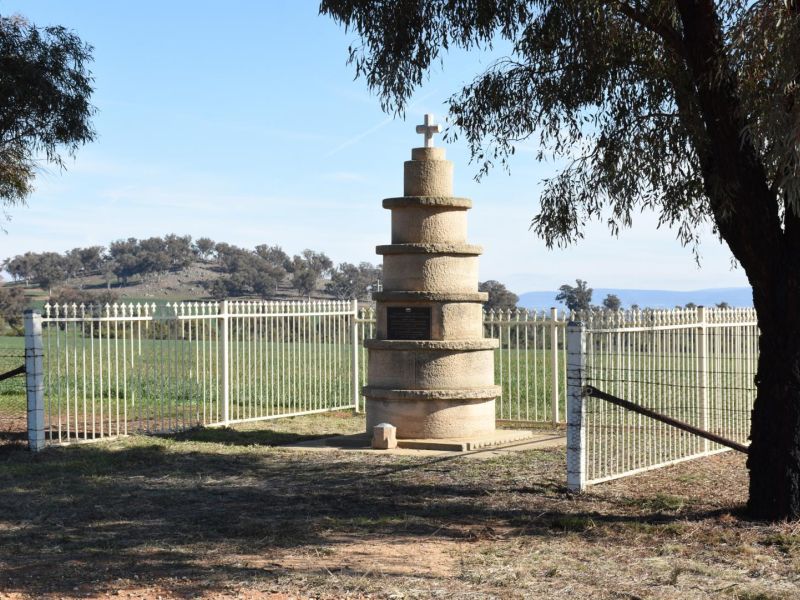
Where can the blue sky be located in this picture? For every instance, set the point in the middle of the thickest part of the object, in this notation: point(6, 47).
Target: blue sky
point(241, 121)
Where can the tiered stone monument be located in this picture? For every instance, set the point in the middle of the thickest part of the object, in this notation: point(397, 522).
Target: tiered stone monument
point(431, 371)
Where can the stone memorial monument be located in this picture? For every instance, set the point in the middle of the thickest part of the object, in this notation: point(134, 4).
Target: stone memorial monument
point(431, 371)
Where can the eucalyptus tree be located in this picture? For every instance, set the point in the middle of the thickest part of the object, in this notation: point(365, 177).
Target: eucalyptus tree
point(500, 297)
point(577, 297)
point(45, 110)
point(612, 302)
point(690, 108)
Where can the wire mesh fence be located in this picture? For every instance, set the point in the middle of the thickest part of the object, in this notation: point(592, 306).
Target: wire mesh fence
point(694, 365)
point(13, 411)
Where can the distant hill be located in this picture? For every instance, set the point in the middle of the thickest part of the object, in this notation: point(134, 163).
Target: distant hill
point(739, 297)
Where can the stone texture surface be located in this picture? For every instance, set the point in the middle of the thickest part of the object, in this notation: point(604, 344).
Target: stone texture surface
point(430, 272)
point(441, 387)
point(428, 178)
point(451, 202)
point(449, 418)
point(430, 369)
point(459, 394)
point(384, 436)
point(428, 225)
point(429, 296)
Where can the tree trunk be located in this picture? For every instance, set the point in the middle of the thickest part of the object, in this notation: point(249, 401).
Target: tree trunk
point(774, 457)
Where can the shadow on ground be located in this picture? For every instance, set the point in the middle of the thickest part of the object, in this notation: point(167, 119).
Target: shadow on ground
point(81, 518)
point(252, 437)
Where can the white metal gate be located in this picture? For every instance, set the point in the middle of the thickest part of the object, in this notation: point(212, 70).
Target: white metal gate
point(694, 365)
point(123, 368)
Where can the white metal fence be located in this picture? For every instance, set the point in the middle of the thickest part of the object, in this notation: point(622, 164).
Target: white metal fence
point(694, 365)
point(530, 364)
point(122, 368)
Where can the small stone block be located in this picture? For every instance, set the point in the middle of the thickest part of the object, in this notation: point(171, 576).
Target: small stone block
point(384, 436)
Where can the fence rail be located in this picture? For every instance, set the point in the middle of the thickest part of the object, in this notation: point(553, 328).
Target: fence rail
point(694, 365)
point(121, 368)
point(13, 417)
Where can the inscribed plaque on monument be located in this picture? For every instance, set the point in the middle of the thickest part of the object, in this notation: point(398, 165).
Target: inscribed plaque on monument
point(407, 323)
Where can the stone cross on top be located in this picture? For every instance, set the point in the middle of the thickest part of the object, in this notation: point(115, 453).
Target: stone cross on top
point(428, 129)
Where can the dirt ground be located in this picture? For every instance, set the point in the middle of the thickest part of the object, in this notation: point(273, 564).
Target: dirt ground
point(227, 514)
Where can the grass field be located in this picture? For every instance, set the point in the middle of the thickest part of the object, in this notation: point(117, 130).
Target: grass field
point(227, 514)
point(163, 382)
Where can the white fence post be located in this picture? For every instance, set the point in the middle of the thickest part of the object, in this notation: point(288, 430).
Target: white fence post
point(355, 344)
point(226, 395)
point(576, 433)
point(702, 372)
point(34, 379)
point(554, 390)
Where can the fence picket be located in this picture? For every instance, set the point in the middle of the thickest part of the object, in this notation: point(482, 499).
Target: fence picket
point(115, 369)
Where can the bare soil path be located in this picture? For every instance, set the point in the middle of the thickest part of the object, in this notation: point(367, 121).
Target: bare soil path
point(227, 514)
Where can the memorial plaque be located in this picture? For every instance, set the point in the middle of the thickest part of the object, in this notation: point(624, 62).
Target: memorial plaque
point(407, 323)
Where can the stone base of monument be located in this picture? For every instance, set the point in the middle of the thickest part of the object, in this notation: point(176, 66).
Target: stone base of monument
point(499, 437)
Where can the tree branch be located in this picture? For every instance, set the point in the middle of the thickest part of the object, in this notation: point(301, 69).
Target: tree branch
point(660, 28)
point(745, 210)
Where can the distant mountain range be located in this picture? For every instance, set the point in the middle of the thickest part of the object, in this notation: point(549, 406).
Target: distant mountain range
point(739, 297)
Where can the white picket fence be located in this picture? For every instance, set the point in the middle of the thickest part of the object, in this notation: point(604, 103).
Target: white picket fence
point(123, 368)
point(126, 368)
point(98, 372)
point(694, 365)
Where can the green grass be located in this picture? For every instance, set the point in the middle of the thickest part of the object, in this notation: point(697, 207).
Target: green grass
point(166, 381)
point(12, 391)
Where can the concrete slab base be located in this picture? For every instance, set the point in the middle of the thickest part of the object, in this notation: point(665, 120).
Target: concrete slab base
point(499, 437)
point(501, 442)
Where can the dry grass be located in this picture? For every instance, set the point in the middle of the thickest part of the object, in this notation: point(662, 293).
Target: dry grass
point(224, 513)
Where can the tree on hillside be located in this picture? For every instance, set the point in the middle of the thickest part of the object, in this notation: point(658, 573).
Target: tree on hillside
point(203, 247)
point(500, 298)
point(246, 274)
point(305, 281)
point(87, 261)
point(13, 303)
point(20, 267)
point(577, 297)
point(307, 269)
point(178, 249)
point(687, 107)
point(49, 271)
point(349, 281)
point(123, 255)
point(45, 86)
point(277, 261)
point(612, 302)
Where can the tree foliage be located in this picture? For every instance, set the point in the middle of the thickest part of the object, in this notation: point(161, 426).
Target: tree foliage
point(45, 110)
point(203, 247)
point(247, 273)
point(13, 303)
point(690, 108)
point(349, 281)
point(307, 269)
point(577, 297)
point(500, 297)
point(612, 302)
